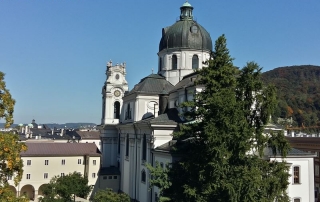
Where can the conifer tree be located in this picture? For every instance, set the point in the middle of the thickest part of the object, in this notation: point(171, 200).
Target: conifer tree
point(222, 148)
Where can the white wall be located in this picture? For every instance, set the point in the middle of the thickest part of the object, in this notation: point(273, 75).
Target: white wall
point(37, 169)
point(305, 189)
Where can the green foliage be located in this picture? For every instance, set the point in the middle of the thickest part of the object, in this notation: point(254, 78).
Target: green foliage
point(298, 93)
point(110, 196)
point(10, 147)
point(160, 179)
point(66, 187)
point(6, 102)
point(222, 151)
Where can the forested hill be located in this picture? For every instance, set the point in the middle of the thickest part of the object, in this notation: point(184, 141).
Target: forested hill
point(298, 90)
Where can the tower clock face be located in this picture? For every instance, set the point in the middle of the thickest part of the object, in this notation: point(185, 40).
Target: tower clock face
point(117, 93)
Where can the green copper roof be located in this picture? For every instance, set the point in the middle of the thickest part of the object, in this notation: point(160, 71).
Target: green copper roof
point(186, 4)
point(180, 35)
point(185, 33)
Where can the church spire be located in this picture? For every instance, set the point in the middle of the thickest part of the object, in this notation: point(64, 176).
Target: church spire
point(186, 11)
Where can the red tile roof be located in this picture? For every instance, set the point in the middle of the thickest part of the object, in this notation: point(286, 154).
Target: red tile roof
point(61, 149)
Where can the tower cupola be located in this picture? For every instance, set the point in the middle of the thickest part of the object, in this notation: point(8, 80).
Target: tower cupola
point(186, 11)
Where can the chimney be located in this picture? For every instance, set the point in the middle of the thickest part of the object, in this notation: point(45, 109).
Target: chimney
point(156, 110)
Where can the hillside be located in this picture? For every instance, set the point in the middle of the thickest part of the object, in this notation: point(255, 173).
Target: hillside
point(298, 91)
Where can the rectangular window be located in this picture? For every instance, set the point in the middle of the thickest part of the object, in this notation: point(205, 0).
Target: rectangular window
point(105, 177)
point(317, 170)
point(296, 200)
point(9, 177)
point(94, 162)
point(28, 162)
point(28, 176)
point(79, 161)
point(63, 162)
point(45, 176)
point(62, 175)
point(296, 175)
point(46, 162)
point(93, 175)
point(115, 177)
point(110, 177)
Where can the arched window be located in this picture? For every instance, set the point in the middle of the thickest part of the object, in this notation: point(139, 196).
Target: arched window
point(144, 147)
point(296, 174)
point(174, 62)
point(116, 110)
point(127, 145)
point(119, 143)
point(143, 176)
point(195, 62)
point(296, 200)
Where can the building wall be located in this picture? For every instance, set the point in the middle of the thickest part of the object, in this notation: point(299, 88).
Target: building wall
point(184, 63)
point(305, 189)
point(55, 167)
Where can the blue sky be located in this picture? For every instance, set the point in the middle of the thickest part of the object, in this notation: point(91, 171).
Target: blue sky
point(54, 53)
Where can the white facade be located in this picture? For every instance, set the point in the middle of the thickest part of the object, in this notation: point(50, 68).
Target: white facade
point(149, 113)
point(184, 63)
point(40, 168)
point(301, 181)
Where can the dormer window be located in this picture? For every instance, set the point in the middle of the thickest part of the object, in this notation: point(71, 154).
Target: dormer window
point(174, 62)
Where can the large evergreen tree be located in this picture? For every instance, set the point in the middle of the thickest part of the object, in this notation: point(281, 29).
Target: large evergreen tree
point(222, 148)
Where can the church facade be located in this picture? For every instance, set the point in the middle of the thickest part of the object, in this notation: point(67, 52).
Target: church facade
point(137, 124)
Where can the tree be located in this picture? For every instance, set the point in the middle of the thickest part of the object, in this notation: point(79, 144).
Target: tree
point(159, 179)
point(222, 150)
point(110, 196)
point(65, 188)
point(10, 147)
point(6, 102)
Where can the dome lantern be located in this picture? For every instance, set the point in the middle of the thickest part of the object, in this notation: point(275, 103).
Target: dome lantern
point(186, 11)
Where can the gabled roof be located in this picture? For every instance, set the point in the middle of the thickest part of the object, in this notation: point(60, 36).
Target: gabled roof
point(171, 117)
point(187, 81)
point(76, 134)
point(61, 149)
point(152, 84)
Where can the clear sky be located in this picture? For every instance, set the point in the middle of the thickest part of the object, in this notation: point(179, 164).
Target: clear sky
point(54, 53)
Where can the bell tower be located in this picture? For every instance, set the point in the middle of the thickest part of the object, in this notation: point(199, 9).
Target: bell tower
point(112, 92)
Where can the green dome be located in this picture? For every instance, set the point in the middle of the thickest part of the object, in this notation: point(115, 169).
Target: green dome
point(185, 33)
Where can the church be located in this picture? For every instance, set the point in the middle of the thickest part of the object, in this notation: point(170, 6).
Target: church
point(137, 124)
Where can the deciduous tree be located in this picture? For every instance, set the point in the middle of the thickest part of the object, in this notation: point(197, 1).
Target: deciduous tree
point(110, 196)
point(10, 147)
point(65, 188)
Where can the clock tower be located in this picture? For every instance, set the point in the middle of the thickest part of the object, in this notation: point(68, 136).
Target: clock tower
point(112, 92)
